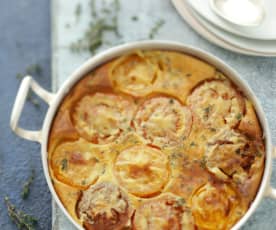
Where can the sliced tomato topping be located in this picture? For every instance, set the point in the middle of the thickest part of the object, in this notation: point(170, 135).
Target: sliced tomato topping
point(163, 121)
point(142, 170)
point(101, 118)
point(77, 163)
point(167, 212)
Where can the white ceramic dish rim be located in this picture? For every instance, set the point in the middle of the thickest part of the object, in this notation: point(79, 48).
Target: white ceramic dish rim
point(54, 100)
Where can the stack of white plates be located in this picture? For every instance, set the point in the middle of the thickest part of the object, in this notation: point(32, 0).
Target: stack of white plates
point(258, 41)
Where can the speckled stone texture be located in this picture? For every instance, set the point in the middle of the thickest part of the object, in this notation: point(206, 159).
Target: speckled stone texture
point(24, 40)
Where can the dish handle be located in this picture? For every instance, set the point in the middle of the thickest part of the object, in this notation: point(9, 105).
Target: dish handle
point(271, 192)
point(27, 84)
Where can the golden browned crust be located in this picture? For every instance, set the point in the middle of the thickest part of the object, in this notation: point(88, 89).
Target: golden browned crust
point(147, 130)
point(104, 206)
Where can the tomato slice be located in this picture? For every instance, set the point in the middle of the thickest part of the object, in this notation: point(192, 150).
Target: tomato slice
point(101, 118)
point(142, 170)
point(167, 212)
point(163, 121)
point(77, 163)
point(104, 206)
point(215, 206)
point(216, 103)
point(133, 74)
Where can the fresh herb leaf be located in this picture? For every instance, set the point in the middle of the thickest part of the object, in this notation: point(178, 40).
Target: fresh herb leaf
point(154, 30)
point(64, 164)
point(102, 22)
point(19, 76)
point(203, 162)
point(26, 187)
point(192, 144)
point(78, 11)
point(134, 18)
point(171, 101)
point(34, 69)
point(239, 116)
point(93, 8)
point(179, 203)
point(213, 130)
point(21, 219)
point(31, 99)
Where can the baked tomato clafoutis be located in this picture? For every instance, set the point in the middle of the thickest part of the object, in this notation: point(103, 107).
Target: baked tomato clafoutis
point(156, 140)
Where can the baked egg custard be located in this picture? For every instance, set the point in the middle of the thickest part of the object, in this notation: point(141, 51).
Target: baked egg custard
point(156, 140)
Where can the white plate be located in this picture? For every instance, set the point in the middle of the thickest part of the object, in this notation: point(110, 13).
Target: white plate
point(222, 38)
point(266, 31)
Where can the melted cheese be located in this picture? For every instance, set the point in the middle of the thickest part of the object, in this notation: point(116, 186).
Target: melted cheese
point(156, 140)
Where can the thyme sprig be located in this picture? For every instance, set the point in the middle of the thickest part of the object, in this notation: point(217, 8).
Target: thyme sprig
point(154, 30)
point(26, 186)
point(33, 70)
point(22, 220)
point(102, 21)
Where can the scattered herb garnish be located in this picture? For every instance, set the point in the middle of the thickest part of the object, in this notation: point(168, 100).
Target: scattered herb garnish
point(93, 8)
point(67, 25)
point(238, 116)
point(258, 154)
point(207, 111)
point(202, 162)
point(26, 187)
point(154, 30)
point(34, 69)
point(238, 151)
point(171, 101)
point(179, 203)
point(213, 130)
point(19, 76)
point(192, 144)
point(188, 75)
point(21, 219)
point(78, 11)
point(64, 164)
point(134, 18)
point(34, 101)
point(100, 24)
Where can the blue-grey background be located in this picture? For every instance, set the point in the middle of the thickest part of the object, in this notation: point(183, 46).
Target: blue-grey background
point(24, 40)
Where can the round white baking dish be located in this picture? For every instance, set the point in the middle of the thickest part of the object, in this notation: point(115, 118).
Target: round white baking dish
point(54, 100)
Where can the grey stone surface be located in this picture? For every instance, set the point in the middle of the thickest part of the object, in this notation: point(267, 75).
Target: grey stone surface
point(257, 71)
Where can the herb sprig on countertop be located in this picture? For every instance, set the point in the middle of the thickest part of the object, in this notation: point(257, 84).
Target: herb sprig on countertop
point(154, 30)
point(22, 220)
point(33, 70)
point(102, 21)
point(26, 187)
